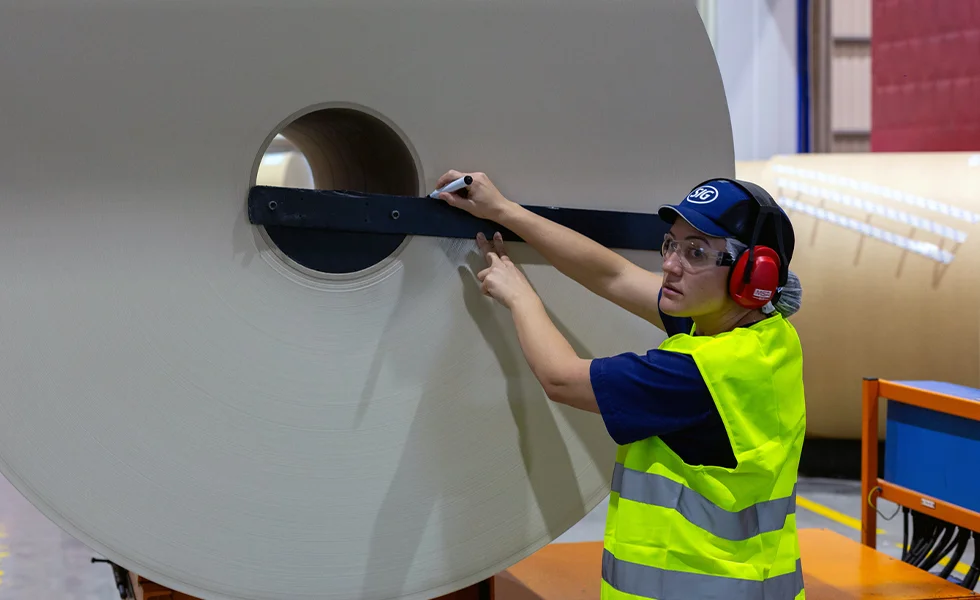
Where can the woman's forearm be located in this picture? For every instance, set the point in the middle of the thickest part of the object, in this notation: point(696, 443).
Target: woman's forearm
point(545, 348)
point(582, 259)
point(564, 376)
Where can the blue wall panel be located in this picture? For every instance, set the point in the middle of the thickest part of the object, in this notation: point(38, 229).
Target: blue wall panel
point(934, 453)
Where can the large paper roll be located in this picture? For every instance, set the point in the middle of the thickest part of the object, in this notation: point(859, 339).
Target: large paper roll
point(211, 412)
point(887, 251)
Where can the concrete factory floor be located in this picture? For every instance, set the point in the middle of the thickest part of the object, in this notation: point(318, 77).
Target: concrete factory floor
point(38, 561)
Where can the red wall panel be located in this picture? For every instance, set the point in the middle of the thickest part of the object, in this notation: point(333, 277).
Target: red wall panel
point(925, 75)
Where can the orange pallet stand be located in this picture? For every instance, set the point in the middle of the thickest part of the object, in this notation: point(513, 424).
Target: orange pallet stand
point(874, 487)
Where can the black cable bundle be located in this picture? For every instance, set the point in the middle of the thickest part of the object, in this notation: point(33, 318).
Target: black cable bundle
point(933, 540)
point(962, 541)
point(925, 532)
point(946, 543)
point(916, 536)
point(905, 534)
point(970, 581)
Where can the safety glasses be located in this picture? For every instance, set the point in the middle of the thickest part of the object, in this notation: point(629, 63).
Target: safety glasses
point(694, 255)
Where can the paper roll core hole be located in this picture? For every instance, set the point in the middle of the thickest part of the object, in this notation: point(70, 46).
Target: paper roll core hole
point(344, 149)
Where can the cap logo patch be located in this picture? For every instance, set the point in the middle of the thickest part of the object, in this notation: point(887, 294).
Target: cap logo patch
point(703, 195)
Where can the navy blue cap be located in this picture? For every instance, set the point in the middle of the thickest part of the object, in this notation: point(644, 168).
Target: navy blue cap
point(713, 208)
point(731, 208)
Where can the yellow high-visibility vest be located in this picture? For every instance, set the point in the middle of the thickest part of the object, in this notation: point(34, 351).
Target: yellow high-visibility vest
point(682, 532)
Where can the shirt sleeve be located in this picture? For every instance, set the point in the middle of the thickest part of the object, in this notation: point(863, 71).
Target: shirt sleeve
point(650, 395)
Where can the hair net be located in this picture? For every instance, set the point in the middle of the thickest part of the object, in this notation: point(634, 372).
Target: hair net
point(789, 297)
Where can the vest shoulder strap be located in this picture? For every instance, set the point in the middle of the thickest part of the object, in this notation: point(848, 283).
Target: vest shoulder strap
point(755, 376)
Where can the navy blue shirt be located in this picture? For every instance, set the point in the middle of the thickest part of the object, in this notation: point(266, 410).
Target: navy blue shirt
point(662, 394)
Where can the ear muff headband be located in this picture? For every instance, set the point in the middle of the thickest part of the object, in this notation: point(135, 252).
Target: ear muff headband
point(763, 270)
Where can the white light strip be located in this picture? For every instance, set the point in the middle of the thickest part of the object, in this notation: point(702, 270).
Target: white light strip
point(883, 191)
point(873, 207)
point(974, 161)
point(924, 248)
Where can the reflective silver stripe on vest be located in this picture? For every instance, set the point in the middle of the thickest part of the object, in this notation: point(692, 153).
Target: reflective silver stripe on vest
point(657, 490)
point(660, 584)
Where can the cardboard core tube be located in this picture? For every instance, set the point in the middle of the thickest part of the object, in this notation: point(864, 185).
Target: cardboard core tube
point(347, 149)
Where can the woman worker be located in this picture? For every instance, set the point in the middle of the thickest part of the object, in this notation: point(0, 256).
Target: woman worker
point(710, 425)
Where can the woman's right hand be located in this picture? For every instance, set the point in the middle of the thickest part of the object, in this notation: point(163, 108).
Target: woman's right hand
point(483, 200)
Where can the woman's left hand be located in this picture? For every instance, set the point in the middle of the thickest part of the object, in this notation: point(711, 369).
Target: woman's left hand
point(502, 280)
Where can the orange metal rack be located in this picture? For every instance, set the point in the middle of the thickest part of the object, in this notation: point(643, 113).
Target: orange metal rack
point(874, 487)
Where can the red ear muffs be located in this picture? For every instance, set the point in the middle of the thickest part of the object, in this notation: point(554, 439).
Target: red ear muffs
point(764, 279)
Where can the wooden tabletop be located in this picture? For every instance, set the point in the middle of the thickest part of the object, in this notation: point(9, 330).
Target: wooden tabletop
point(834, 568)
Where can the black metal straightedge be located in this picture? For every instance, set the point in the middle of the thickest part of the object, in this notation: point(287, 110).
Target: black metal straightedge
point(364, 213)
